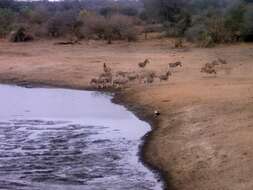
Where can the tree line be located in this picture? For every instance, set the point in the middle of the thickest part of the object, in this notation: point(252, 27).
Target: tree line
point(206, 22)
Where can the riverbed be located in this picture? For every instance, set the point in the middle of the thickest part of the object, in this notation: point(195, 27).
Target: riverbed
point(69, 140)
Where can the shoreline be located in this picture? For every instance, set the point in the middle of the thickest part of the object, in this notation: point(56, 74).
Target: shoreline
point(144, 115)
point(118, 98)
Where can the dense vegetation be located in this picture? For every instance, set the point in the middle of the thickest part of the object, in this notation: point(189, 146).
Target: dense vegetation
point(207, 21)
point(204, 21)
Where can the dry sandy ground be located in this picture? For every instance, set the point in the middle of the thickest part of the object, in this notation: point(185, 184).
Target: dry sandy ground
point(203, 139)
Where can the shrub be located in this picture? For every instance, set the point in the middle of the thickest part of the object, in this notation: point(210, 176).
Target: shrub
point(206, 40)
point(131, 34)
point(196, 33)
point(129, 11)
point(93, 26)
point(116, 27)
point(217, 30)
point(200, 35)
point(122, 28)
point(247, 29)
point(7, 18)
point(209, 28)
point(62, 23)
point(234, 19)
point(180, 24)
point(39, 30)
point(20, 35)
point(38, 15)
point(108, 11)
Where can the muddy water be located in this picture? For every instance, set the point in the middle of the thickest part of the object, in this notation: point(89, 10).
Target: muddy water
point(56, 139)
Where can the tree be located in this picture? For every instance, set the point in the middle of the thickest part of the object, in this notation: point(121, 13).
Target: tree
point(63, 23)
point(164, 10)
point(247, 30)
point(7, 18)
point(234, 18)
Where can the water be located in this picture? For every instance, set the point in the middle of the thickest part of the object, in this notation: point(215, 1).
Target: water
point(57, 139)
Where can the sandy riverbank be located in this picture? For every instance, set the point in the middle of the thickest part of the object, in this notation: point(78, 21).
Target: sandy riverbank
point(203, 138)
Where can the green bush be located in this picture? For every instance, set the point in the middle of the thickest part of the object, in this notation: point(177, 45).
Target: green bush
point(234, 19)
point(247, 29)
point(7, 18)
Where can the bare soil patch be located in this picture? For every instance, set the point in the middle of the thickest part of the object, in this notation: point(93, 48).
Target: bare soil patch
point(203, 138)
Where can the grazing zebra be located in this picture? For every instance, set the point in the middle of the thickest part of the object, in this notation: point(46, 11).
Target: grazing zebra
point(106, 68)
point(208, 70)
point(165, 76)
point(132, 76)
point(176, 64)
point(144, 63)
point(119, 82)
point(222, 61)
